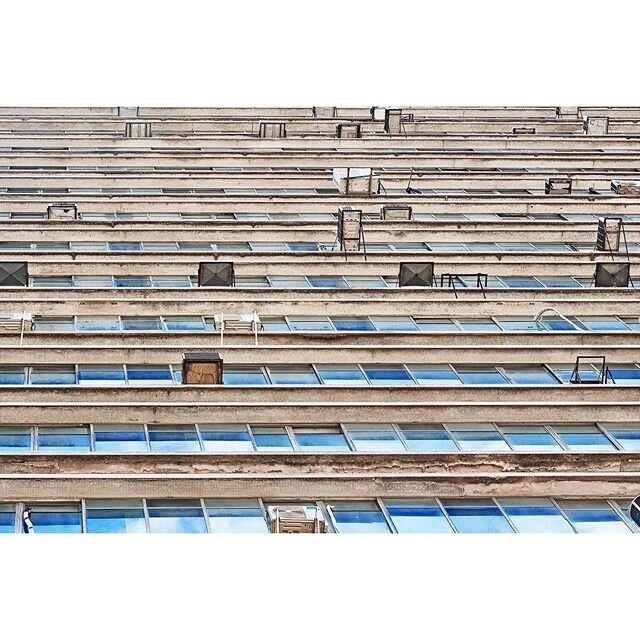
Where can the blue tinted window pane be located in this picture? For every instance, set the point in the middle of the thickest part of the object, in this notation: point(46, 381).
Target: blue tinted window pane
point(428, 438)
point(12, 375)
point(177, 438)
point(374, 437)
point(389, 374)
point(63, 439)
point(233, 438)
point(292, 375)
point(603, 324)
point(535, 515)
point(480, 517)
point(479, 375)
point(330, 283)
point(124, 246)
point(560, 282)
point(434, 374)
point(56, 520)
point(243, 375)
point(115, 520)
point(274, 324)
point(320, 439)
point(353, 324)
point(53, 375)
point(583, 438)
point(15, 439)
point(310, 324)
point(7, 519)
point(149, 374)
point(184, 324)
point(97, 323)
point(627, 435)
point(100, 374)
point(271, 439)
point(593, 516)
point(627, 375)
point(119, 438)
point(530, 375)
point(436, 324)
point(478, 437)
point(417, 516)
point(341, 374)
point(302, 246)
point(394, 324)
point(151, 323)
point(530, 438)
point(521, 283)
point(125, 283)
point(359, 517)
point(236, 516)
point(521, 325)
point(181, 518)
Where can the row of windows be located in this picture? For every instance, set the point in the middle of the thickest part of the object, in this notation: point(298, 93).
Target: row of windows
point(340, 323)
point(306, 282)
point(316, 374)
point(328, 217)
point(242, 247)
point(419, 515)
point(336, 438)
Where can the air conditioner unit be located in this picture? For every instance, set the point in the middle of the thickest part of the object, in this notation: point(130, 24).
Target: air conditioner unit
point(272, 130)
point(558, 186)
point(393, 121)
point(239, 323)
point(523, 130)
point(296, 519)
point(16, 323)
point(324, 112)
point(14, 274)
point(394, 212)
point(608, 238)
point(626, 187)
point(138, 129)
point(202, 368)
point(416, 274)
point(378, 113)
point(349, 130)
point(62, 211)
point(216, 274)
point(128, 112)
point(596, 125)
point(350, 232)
point(612, 274)
point(354, 181)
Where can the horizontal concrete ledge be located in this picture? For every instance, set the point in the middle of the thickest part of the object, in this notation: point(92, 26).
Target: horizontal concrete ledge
point(301, 464)
point(52, 487)
point(372, 353)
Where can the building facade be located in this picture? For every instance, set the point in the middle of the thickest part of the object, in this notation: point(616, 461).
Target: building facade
point(324, 319)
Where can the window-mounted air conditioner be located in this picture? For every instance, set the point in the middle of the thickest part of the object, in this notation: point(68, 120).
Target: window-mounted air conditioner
point(350, 234)
point(378, 113)
point(612, 274)
point(272, 130)
point(216, 274)
point(596, 125)
point(16, 323)
point(202, 368)
point(395, 212)
point(296, 519)
point(355, 181)
point(349, 130)
point(393, 121)
point(14, 274)
point(608, 238)
point(416, 274)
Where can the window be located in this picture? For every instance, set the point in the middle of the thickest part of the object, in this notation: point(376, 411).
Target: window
point(480, 375)
point(529, 437)
point(12, 375)
point(151, 323)
point(341, 374)
point(427, 437)
point(149, 374)
point(119, 438)
point(328, 283)
point(593, 516)
point(392, 323)
point(625, 374)
point(583, 438)
point(387, 374)
point(529, 375)
point(271, 439)
point(176, 516)
point(521, 324)
point(603, 323)
point(173, 438)
point(184, 323)
point(7, 518)
point(628, 435)
point(353, 324)
point(320, 439)
point(310, 324)
point(56, 518)
point(53, 375)
point(115, 516)
point(63, 439)
point(374, 437)
point(417, 516)
point(478, 437)
point(282, 374)
point(535, 515)
point(235, 516)
point(15, 439)
point(476, 516)
point(221, 438)
point(89, 374)
point(97, 323)
point(521, 282)
point(434, 374)
point(436, 324)
point(243, 375)
point(484, 325)
point(359, 517)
